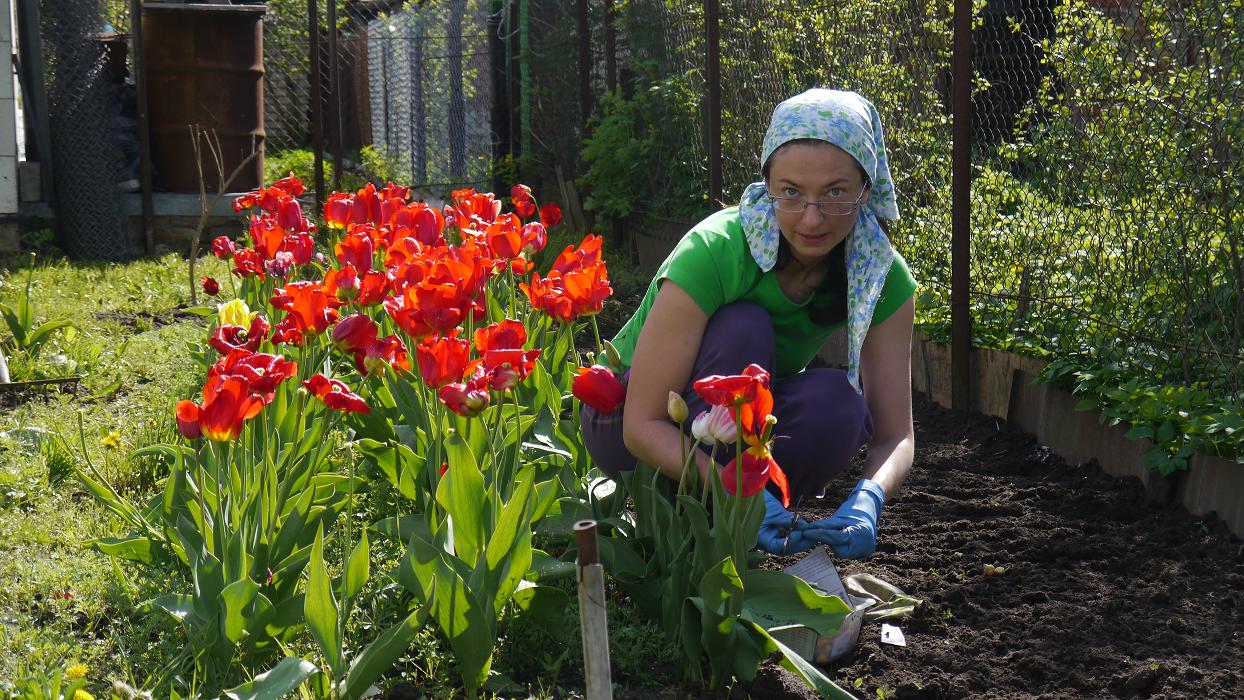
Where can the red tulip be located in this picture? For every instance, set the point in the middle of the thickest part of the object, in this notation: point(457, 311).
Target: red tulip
point(504, 237)
point(389, 350)
point(391, 191)
point(758, 468)
point(262, 372)
point(406, 314)
point(310, 310)
point(356, 249)
point(732, 390)
point(223, 247)
point(226, 339)
point(507, 368)
point(547, 295)
point(188, 420)
point(336, 394)
point(474, 209)
point(210, 286)
point(289, 215)
point(419, 221)
point(599, 388)
point(227, 405)
point(507, 334)
point(366, 209)
point(247, 263)
point(535, 237)
point(520, 197)
point(338, 209)
point(354, 333)
point(588, 254)
point(443, 360)
point(550, 215)
point(587, 289)
point(290, 185)
point(468, 398)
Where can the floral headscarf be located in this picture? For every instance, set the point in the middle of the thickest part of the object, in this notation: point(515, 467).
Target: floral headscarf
point(850, 122)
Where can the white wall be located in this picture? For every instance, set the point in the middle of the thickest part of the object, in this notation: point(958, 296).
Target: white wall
point(8, 114)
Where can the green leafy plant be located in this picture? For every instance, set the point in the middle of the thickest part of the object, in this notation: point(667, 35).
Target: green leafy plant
point(26, 334)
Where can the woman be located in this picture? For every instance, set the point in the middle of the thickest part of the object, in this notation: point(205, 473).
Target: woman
point(766, 283)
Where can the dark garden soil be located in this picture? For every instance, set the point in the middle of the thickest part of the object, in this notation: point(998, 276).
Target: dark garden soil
point(1105, 595)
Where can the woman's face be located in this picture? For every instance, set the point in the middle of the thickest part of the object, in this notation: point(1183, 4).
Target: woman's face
point(814, 172)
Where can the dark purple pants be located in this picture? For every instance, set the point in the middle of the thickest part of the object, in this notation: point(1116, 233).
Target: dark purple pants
point(822, 422)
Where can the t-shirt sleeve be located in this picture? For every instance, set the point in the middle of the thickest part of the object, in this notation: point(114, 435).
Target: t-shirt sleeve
point(898, 288)
point(707, 266)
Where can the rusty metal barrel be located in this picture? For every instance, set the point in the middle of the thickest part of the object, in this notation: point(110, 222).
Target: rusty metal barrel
point(204, 66)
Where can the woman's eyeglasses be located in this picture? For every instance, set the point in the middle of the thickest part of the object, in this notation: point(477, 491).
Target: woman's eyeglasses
point(794, 205)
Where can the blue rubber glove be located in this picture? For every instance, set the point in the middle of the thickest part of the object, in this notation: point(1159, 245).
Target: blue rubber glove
point(851, 532)
point(781, 532)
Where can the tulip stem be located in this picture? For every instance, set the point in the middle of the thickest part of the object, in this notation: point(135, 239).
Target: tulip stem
point(600, 347)
point(509, 273)
point(738, 459)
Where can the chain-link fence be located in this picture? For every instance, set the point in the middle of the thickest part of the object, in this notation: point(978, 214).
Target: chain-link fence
point(1106, 217)
point(414, 93)
point(1105, 175)
point(91, 121)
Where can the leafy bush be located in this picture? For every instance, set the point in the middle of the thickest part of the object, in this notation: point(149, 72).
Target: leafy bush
point(636, 160)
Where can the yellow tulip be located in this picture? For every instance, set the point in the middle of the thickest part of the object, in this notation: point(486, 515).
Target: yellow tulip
point(235, 313)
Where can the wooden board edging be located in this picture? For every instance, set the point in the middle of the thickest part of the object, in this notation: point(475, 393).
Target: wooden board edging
point(1004, 386)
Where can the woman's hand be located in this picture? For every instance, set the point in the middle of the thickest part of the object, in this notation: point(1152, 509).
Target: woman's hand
point(664, 357)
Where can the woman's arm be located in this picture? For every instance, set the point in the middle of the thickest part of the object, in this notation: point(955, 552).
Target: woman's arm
point(664, 356)
point(885, 369)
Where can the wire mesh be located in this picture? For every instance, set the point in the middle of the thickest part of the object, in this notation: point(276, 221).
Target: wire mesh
point(1105, 157)
point(287, 78)
point(89, 132)
point(414, 95)
point(1105, 224)
point(418, 89)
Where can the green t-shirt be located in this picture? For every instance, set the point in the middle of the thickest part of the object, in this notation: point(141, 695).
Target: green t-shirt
point(713, 264)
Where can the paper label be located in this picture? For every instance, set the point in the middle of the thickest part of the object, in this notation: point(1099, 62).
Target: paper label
point(891, 634)
point(819, 571)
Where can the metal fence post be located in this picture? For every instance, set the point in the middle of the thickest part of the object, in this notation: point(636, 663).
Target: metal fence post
point(585, 66)
point(499, 62)
point(317, 100)
point(611, 49)
point(334, 89)
point(144, 126)
point(961, 208)
point(712, 107)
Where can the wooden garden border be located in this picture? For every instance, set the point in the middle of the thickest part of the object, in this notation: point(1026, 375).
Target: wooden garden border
point(1003, 385)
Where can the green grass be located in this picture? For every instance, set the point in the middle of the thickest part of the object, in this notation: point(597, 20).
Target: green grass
point(61, 601)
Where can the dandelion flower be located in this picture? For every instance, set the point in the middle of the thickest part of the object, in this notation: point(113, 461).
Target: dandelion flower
point(76, 671)
point(112, 440)
point(81, 694)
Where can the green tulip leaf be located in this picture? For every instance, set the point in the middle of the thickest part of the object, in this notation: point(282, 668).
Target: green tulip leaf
point(320, 607)
point(380, 655)
point(775, 598)
point(276, 682)
point(438, 580)
point(803, 668)
point(461, 494)
point(357, 571)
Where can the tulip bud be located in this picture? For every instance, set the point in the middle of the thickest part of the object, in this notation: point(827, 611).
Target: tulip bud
point(613, 356)
point(676, 407)
point(715, 426)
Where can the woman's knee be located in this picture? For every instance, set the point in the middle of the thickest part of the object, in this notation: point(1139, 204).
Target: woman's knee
point(739, 333)
point(604, 441)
